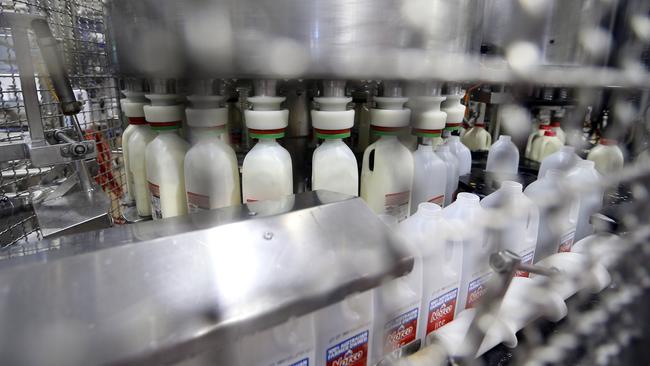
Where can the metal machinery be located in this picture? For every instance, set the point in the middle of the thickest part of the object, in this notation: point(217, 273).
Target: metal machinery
point(124, 295)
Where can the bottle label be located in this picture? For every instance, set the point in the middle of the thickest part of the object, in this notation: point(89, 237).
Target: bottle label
point(351, 352)
point(476, 289)
point(566, 241)
point(438, 200)
point(303, 362)
point(154, 190)
point(526, 259)
point(400, 331)
point(249, 200)
point(397, 205)
point(441, 310)
point(197, 202)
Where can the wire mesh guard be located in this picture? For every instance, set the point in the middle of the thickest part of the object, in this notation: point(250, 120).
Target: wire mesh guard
point(79, 25)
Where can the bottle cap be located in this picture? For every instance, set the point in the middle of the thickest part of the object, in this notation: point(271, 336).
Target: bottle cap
point(549, 133)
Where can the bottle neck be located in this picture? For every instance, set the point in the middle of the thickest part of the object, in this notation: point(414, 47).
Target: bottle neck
point(166, 132)
point(332, 141)
point(267, 141)
point(201, 134)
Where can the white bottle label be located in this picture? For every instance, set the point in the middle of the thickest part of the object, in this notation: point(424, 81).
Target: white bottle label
point(438, 200)
point(400, 331)
point(351, 352)
point(197, 202)
point(397, 205)
point(154, 190)
point(476, 289)
point(441, 310)
point(526, 258)
point(566, 241)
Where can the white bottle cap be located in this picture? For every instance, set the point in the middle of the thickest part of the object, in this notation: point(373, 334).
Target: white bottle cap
point(163, 113)
point(332, 121)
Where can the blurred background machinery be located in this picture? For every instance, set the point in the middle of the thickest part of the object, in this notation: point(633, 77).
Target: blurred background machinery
point(585, 62)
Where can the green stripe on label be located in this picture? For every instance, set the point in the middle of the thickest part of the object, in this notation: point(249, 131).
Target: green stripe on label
point(266, 135)
point(334, 136)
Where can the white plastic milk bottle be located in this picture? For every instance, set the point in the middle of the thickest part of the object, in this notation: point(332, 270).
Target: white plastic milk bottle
point(138, 141)
point(545, 146)
point(133, 108)
point(430, 172)
point(441, 250)
point(267, 173)
point(387, 169)
point(607, 156)
point(515, 221)
point(462, 153)
point(211, 170)
point(468, 219)
point(562, 160)
point(477, 138)
point(451, 162)
point(334, 166)
point(557, 228)
point(503, 157)
point(586, 180)
point(165, 157)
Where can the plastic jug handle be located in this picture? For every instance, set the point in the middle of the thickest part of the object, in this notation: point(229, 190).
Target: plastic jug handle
point(368, 160)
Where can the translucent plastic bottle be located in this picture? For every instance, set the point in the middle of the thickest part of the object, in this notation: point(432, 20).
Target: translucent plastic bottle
point(430, 172)
point(503, 157)
point(586, 180)
point(562, 160)
point(462, 153)
point(266, 172)
point(607, 156)
point(288, 344)
point(211, 169)
point(441, 250)
point(467, 218)
point(133, 108)
point(165, 157)
point(387, 169)
point(557, 228)
point(452, 172)
point(545, 146)
point(397, 308)
point(477, 138)
point(141, 137)
point(334, 166)
point(556, 125)
point(515, 221)
point(344, 332)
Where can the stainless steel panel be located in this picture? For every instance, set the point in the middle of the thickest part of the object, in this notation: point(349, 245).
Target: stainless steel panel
point(160, 292)
point(286, 38)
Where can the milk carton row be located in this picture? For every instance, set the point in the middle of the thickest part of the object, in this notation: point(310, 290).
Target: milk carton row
point(168, 177)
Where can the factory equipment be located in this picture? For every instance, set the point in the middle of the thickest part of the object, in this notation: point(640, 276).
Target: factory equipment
point(225, 141)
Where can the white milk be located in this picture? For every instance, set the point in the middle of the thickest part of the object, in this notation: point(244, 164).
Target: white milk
point(586, 180)
point(557, 229)
point(455, 113)
point(387, 169)
point(477, 138)
point(467, 218)
point(462, 153)
point(562, 160)
point(211, 170)
point(545, 146)
point(165, 156)
point(138, 141)
point(334, 166)
point(451, 162)
point(267, 173)
point(514, 221)
point(503, 157)
point(133, 108)
point(607, 156)
point(534, 136)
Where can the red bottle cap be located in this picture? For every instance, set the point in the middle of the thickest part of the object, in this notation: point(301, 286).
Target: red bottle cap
point(608, 142)
point(545, 127)
point(555, 124)
point(549, 133)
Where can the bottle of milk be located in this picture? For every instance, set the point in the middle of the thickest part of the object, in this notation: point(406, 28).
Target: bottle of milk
point(562, 160)
point(462, 153)
point(515, 222)
point(607, 156)
point(141, 136)
point(334, 166)
point(585, 179)
point(165, 157)
point(211, 170)
point(477, 138)
point(454, 108)
point(133, 108)
point(387, 169)
point(267, 173)
point(545, 145)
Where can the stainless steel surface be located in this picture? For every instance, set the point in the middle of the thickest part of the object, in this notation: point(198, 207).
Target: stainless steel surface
point(159, 292)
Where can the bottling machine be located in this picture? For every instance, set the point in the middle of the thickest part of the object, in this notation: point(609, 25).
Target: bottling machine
point(87, 278)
